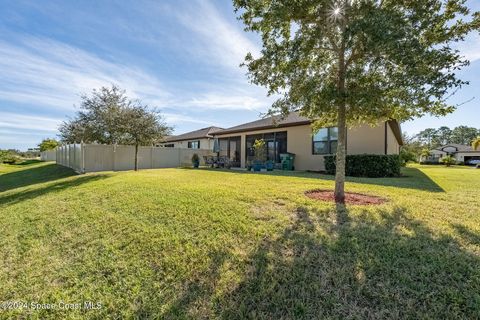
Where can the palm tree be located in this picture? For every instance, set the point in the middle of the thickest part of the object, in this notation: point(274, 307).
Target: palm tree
point(476, 143)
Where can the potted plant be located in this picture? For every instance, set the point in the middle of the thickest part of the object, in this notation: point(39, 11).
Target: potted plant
point(269, 165)
point(195, 160)
point(259, 155)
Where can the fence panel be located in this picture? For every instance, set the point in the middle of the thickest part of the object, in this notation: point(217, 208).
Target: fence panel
point(49, 155)
point(96, 157)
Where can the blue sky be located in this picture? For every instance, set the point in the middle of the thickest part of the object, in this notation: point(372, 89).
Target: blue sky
point(180, 56)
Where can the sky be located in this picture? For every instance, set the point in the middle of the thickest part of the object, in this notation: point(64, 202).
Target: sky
point(180, 56)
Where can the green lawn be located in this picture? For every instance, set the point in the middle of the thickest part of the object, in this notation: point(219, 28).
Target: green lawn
point(182, 243)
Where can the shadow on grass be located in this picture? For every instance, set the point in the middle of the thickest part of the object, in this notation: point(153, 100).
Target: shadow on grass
point(34, 175)
point(388, 267)
point(28, 162)
point(16, 197)
point(412, 178)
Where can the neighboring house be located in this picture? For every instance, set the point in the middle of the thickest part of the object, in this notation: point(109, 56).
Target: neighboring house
point(294, 134)
point(461, 153)
point(198, 139)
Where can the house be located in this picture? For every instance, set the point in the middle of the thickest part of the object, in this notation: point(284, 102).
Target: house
point(294, 134)
point(198, 139)
point(461, 153)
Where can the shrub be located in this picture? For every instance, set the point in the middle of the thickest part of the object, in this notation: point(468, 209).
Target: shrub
point(407, 156)
point(432, 162)
point(367, 165)
point(195, 158)
point(448, 161)
point(8, 157)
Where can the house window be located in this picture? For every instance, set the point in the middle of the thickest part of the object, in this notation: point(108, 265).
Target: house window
point(169, 145)
point(325, 141)
point(194, 144)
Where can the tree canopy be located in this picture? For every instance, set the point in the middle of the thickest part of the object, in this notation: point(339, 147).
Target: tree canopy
point(433, 138)
point(108, 116)
point(396, 54)
point(349, 62)
point(48, 144)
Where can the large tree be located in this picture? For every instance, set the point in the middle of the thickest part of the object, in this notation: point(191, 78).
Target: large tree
point(108, 116)
point(350, 62)
point(429, 137)
point(99, 118)
point(464, 135)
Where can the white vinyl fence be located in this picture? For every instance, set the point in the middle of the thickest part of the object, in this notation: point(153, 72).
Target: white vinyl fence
point(49, 155)
point(97, 157)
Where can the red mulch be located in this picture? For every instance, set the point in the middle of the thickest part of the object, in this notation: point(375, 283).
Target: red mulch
point(350, 197)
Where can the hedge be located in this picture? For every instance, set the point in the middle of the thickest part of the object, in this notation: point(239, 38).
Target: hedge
point(367, 165)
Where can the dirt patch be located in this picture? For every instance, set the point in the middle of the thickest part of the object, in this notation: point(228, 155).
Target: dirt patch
point(350, 197)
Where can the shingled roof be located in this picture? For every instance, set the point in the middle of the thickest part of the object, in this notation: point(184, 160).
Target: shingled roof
point(292, 119)
point(197, 134)
point(459, 147)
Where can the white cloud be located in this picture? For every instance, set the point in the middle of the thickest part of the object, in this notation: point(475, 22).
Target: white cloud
point(175, 118)
point(215, 101)
point(470, 48)
point(50, 73)
point(28, 122)
point(221, 41)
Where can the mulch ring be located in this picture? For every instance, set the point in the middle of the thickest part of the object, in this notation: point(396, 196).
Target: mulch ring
point(350, 197)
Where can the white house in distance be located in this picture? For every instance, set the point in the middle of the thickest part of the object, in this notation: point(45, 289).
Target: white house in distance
point(461, 153)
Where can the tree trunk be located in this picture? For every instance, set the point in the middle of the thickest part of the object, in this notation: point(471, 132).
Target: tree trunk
point(342, 130)
point(341, 157)
point(136, 156)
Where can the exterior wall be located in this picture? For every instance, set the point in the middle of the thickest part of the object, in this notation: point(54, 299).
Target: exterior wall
point(393, 147)
point(366, 139)
point(461, 155)
point(360, 140)
point(205, 143)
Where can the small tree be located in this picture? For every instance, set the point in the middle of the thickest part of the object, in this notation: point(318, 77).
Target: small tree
point(48, 144)
point(108, 116)
point(142, 127)
point(448, 160)
point(476, 143)
point(259, 150)
point(349, 62)
point(425, 154)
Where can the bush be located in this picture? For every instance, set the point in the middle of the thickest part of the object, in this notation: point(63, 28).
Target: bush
point(8, 158)
point(448, 161)
point(431, 162)
point(367, 165)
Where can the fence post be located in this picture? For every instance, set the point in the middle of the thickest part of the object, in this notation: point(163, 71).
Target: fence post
point(82, 153)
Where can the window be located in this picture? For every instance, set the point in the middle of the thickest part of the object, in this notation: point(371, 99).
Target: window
point(169, 145)
point(325, 141)
point(194, 144)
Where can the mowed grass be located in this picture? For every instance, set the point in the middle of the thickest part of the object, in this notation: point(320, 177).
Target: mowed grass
point(183, 243)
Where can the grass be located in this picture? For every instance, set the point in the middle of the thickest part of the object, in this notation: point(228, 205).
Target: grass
point(182, 243)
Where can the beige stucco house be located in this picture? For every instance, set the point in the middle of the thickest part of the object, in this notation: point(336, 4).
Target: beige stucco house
point(291, 134)
point(461, 153)
point(294, 134)
point(198, 139)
